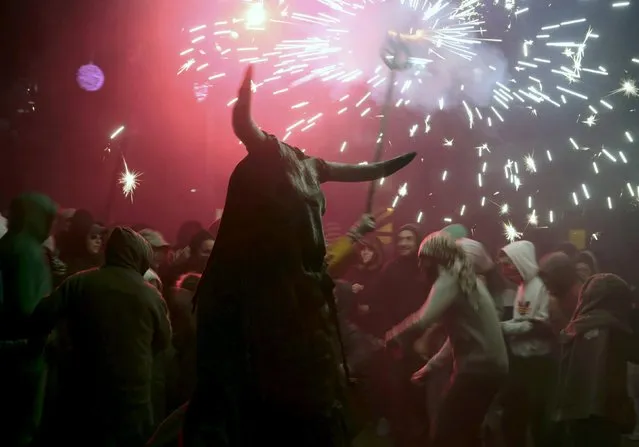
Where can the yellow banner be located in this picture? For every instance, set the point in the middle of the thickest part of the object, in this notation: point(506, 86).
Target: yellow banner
point(578, 238)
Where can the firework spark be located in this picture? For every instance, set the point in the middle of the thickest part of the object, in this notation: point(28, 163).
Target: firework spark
point(559, 72)
point(510, 232)
point(129, 180)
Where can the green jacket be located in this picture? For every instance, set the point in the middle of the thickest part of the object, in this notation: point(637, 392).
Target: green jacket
point(25, 277)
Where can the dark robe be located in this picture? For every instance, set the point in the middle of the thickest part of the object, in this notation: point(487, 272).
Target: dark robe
point(268, 358)
point(269, 364)
point(592, 396)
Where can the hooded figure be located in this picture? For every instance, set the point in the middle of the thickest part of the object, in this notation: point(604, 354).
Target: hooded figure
point(117, 323)
point(531, 303)
point(182, 314)
point(24, 280)
point(268, 365)
point(398, 290)
point(369, 261)
point(530, 339)
point(592, 397)
point(586, 264)
point(559, 274)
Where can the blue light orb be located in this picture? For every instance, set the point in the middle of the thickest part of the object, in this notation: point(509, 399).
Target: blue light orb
point(90, 77)
point(201, 91)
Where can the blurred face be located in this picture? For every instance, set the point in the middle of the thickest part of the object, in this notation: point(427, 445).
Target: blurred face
point(61, 223)
point(160, 256)
point(552, 288)
point(94, 242)
point(508, 269)
point(366, 254)
point(406, 243)
point(583, 271)
point(206, 247)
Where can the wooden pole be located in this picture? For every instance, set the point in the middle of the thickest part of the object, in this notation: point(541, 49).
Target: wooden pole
point(381, 138)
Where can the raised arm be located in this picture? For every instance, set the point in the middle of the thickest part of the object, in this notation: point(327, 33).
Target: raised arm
point(441, 297)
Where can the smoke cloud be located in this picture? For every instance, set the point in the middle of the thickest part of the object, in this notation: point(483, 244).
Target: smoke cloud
point(453, 79)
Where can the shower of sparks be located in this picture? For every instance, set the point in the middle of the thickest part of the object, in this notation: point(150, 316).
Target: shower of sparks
point(510, 232)
point(628, 88)
point(590, 121)
point(129, 180)
point(533, 219)
point(531, 166)
point(558, 74)
point(315, 47)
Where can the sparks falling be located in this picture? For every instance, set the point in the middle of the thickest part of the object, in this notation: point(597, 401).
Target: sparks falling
point(559, 72)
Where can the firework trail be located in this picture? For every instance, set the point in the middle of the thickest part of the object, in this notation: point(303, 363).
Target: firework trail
point(455, 62)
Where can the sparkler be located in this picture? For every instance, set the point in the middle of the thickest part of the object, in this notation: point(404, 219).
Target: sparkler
point(129, 180)
point(558, 68)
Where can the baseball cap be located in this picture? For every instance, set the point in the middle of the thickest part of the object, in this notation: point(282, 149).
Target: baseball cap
point(154, 238)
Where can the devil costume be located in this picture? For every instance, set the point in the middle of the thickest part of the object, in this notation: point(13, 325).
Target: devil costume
point(268, 368)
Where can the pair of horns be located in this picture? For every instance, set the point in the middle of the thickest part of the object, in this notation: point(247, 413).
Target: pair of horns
point(250, 134)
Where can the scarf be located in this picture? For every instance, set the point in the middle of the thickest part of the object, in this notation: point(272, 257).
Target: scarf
point(442, 248)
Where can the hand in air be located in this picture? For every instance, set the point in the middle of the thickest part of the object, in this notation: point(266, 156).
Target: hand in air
point(366, 224)
point(356, 288)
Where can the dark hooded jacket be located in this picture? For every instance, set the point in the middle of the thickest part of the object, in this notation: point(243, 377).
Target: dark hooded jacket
point(596, 346)
point(398, 291)
point(24, 280)
point(24, 274)
point(364, 274)
point(182, 315)
point(117, 323)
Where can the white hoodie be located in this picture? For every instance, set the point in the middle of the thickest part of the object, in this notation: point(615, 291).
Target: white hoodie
point(153, 278)
point(531, 303)
point(3, 225)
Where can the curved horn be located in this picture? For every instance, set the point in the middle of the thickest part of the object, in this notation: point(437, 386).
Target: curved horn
point(340, 172)
point(243, 125)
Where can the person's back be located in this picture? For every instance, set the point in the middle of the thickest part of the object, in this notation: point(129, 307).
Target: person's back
point(24, 275)
point(113, 325)
point(472, 323)
point(116, 324)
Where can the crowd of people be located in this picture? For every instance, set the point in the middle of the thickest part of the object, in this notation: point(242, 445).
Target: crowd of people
point(445, 346)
